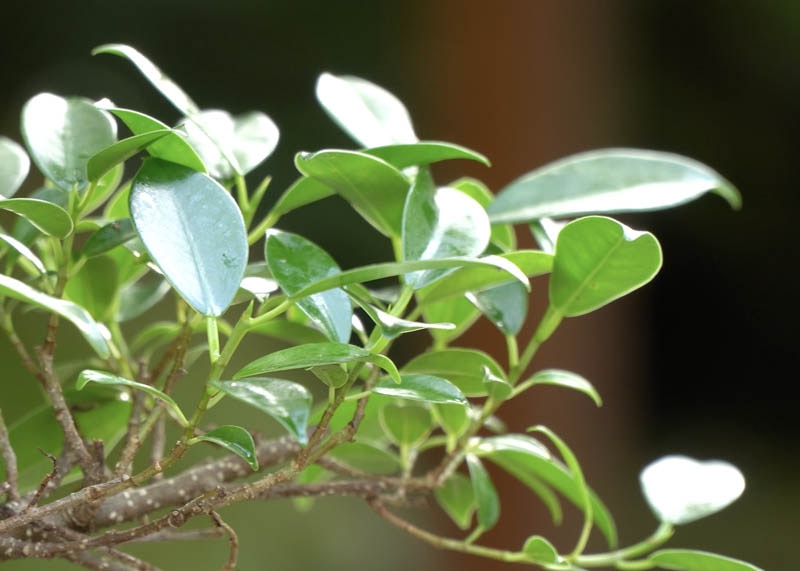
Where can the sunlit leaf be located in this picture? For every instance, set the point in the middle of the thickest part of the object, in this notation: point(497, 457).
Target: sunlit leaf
point(14, 166)
point(424, 153)
point(462, 367)
point(598, 260)
point(103, 161)
point(506, 306)
point(693, 560)
point(48, 217)
point(567, 379)
point(608, 181)
point(420, 387)
point(25, 252)
point(287, 402)
point(173, 208)
point(233, 439)
point(370, 114)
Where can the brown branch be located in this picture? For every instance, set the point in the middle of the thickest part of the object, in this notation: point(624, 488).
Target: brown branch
point(11, 488)
point(230, 564)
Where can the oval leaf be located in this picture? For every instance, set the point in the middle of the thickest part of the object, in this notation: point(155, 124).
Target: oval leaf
point(94, 334)
point(102, 162)
point(234, 439)
point(406, 425)
point(608, 181)
point(109, 236)
point(193, 230)
point(62, 133)
point(680, 489)
point(425, 388)
point(14, 166)
point(538, 549)
point(506, 306)
point(48, 217)
point(464, 368)
point(295, 262)
point(457, 499)
point(371, 115)
point(287, 402)
point(692, 560)
point(598, 260)
point(487, 500)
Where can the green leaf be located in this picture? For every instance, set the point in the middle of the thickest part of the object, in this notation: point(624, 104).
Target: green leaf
point(441, 223)
point(25, 252)
point(234, 439)
point(453, 418)
point(109, 236)
point(315, 355)
point(228, 145)
point(303, 191)
point(102, 162)
point(458, 311)
point(370, 114)
point(424, 153)
point(406, 425)
point(598, 260)
point(538, 549)
point(608, 181)
point(94, 334)
point(14, 166)
point(62, 133)
point(193, 230)
point(457, 499)
point(171, 147)
point(100, 377)
point(488, 502)
point(139, 296)
point(391, 326)
point(464, 368)
point(506, 306)
point(693, 560)
point(374, 188)
point(420, 387)
point(168, 88)
point(530, 462)
point(94, 287)
point(296, 262)
point(44, 215)
point(681, 490)
point(365, 456)
point(287, 402)
point(567, 379)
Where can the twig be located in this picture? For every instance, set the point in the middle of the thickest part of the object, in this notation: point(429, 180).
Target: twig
point(10, 488)
point(125, 463)
point(230, 565)
point(39, 493)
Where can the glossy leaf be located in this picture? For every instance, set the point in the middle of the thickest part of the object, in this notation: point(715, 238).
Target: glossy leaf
point(139, 296)
point(506, 306)
point(608, 181)
point(103, 161)
point(464, 368)
point(228, 145)
point(14, 166)
point(233, 439)
point(173, 208)
point(48, 217)
point(391, 326)
point(599, 260)
point(486, 498)
point(315, 355)
point(693, 560)
point(303, 191)
point(420, 387)
point(503, 235)
point(539, 549)
point(62, 133)
point(100, 377)
point(168, 88)
point(424, 153)
point(374, 188)
point(567, 379)
point(171, 147)
point(99, 192)
point(458, 311)
point(94, 334)
point(406, 425)
point(370, 114)
point(287, 402)
point(441, 223)
point(524, 458)
point(109, 236)
point(457, 499)
point(681, 490)
point(94, 287)
point(296, 262)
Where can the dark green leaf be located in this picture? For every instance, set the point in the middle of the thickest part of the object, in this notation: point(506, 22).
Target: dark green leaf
point(424, 153)
point(62, 133)
point(296, 262)
point(102, 162)
point(287, 402)
point(109, 236)
point(421, 387)
point(374, 188)
point(608, 181)
point(193, 230)
point(14, 166)
point(94, 334)
point(488, 502)
point(44, 215)
point(568, 379)
point(599, 260)
point(370, 114)
point(234, 439)
point(692, 560)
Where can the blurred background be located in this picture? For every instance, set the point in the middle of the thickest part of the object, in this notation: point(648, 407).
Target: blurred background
point(699, 362)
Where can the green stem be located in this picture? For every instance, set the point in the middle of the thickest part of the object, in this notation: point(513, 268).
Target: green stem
point(548, 324)
point(620, 557)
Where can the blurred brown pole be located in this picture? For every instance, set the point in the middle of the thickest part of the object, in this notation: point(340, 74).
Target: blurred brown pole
point(526, 82)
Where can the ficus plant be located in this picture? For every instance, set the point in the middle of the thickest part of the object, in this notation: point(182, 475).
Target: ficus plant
point(162, 254)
